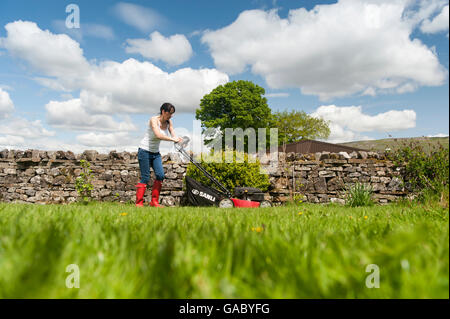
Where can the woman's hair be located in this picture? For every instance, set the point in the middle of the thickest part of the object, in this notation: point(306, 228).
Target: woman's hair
point(167, 107)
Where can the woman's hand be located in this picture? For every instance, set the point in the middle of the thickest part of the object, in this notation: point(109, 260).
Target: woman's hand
point(177, 139)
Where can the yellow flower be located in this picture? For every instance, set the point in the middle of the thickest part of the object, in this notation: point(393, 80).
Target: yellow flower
point(253, 228)
point(365, 217)
point(300, 213)
point(351, 217)
point(124, 214)
point(259, 229)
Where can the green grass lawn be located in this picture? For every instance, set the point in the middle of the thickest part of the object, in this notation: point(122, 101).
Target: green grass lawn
point(306, 251)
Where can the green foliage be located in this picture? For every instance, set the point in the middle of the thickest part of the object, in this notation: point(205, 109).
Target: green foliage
point(237, 104)
point(237, 173)
point(426, 167)
point(359, 195)
point(297, 125)
point(83, 183)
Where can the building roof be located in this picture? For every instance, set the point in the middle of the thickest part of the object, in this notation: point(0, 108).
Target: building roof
point(312, 146)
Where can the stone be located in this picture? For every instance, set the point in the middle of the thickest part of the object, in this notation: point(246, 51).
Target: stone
point(335, 161)
point(395, 184)
point(355, 174)
point(177, 193)
point(353, 155)
point(377, 187)
point(4, 153)
point(105, 192)
point(180, 170)
point(312, 199)
point(171, 175)
point(59, 180)
point(290, 157)
point(327, 174)
point(385, 180)
point(335, 184)
point(320, 185)
point(175, 157)
point(334, 156)
point(40, 171)
point(35, 180)
point(374, 179)
point(30, 192)
point(70, 155)
point(337, 200)
point(372, 155)
point(381, 173)
point(60, 155)
point(362, 154)
point(10, 171)
point(350, 169)
point(345, 155)
point(102, 157)
point(54, 172)
point(168, 201)
point(89, 155)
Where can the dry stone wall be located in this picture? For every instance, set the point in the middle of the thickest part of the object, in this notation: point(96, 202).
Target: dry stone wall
point(35, 176)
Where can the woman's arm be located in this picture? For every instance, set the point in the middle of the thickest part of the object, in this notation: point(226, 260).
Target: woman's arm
point(158, 134)
point(173, 134)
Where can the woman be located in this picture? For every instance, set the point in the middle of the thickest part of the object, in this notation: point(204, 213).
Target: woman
point(149, 156)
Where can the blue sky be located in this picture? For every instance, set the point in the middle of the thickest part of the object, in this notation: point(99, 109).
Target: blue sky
point(372, 68)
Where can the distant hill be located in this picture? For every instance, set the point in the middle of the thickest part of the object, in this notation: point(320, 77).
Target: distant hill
point(393, 143)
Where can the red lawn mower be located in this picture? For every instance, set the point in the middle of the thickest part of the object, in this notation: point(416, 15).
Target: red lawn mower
point(201, 195)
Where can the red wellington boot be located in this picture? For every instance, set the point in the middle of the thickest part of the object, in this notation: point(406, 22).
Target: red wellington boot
point(140, 191)
point(156, 189)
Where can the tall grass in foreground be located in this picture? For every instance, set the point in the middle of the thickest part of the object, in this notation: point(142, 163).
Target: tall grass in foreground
point(311, 251)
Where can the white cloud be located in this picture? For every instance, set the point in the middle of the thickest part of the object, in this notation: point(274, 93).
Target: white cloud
point(336, 50)
point(108, 87)
point(6, 104)
point(53, 54)
point(117, 139)
point(339, 134)
point(173, 50)
point(419, 10)
point(11, 141)
point(438, 135)
point(141, 87)
point(347, 122)
point(438, 24)
point(70, 114)
point(142, 18)
point(24, 128)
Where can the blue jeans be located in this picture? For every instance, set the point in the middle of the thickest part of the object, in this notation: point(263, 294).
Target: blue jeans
point(148, 159)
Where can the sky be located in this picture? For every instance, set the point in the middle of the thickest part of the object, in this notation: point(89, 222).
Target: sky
point(79, 75)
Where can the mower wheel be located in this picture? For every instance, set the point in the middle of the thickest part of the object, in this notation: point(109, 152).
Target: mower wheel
point(265, 203)
point(226, 203)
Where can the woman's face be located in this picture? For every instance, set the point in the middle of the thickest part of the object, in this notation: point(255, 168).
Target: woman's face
point(166, 115)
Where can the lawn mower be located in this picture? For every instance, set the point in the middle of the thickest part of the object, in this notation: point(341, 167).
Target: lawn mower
point(201, 195)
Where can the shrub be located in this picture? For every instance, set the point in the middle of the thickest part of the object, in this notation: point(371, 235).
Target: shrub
point(239, 173)
point(426, 167)
point(83, 183)
point(359, 195)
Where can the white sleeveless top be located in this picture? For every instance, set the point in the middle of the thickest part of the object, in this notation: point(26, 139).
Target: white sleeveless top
point(150, 142)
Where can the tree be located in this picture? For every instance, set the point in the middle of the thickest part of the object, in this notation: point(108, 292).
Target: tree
point(237, 104)
point(297, 125)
